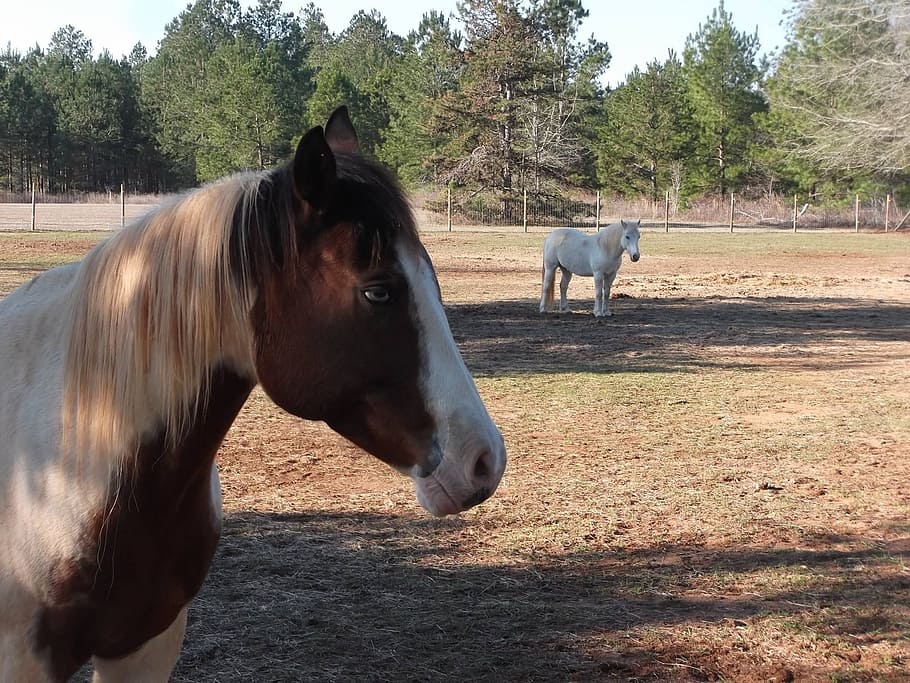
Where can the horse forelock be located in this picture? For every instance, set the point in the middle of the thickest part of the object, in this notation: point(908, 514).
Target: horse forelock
point(153, 308)
point(371, 199)
point(270, 230)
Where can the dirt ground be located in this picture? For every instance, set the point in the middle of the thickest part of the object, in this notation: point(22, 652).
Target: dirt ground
point(713, 484)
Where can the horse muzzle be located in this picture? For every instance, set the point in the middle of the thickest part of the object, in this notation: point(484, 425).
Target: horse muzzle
point(462, 480)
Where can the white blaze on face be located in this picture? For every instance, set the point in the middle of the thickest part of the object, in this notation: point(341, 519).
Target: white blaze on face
point(472, 449)
point(630, 237)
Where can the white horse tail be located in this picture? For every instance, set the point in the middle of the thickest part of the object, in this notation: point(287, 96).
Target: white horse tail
point(550, 295)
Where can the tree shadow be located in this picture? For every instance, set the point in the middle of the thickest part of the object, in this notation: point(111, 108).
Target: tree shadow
point(325, 597)
point(676, 334)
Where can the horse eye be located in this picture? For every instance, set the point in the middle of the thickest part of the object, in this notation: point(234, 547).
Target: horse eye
point(377, 295)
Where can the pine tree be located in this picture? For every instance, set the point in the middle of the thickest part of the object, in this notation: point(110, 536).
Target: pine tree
point(428, 72)
point(562, 93)
point(356, 69)
point(723, 85)
point(481, 117)
point(646, 136)
point(174, 81)
point(515, 120)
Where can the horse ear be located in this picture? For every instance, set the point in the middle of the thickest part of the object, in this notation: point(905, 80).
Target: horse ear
point(340, 133)
point(315, 175)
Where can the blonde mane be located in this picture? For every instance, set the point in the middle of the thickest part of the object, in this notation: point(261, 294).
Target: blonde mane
point(154, 308)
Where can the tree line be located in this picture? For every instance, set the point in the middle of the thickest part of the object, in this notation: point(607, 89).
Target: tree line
point(506, 96)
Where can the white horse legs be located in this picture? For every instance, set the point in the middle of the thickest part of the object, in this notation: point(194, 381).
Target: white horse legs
point(549, 280)
point(563, 289)
point(151, 663)
point(602, 284)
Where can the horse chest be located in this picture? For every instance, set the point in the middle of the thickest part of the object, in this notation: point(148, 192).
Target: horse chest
point(147, 553)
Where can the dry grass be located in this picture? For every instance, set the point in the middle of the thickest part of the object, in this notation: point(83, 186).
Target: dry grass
point(711, 485)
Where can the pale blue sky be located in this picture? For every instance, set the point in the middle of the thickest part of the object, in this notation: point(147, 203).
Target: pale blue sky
point(637, 32)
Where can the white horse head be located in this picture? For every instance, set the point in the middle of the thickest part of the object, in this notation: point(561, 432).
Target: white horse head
point(629, 239)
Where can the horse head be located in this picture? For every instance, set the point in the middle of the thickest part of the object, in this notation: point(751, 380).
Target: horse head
point(629, 239)
point(349, 325)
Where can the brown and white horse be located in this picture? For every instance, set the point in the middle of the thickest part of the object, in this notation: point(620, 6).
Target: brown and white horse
point(121, 374)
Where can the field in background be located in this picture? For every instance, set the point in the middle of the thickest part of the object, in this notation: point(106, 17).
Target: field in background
point(714, 484)
point(70, 217)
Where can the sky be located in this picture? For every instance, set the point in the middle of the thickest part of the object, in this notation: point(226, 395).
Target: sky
point(637, 32)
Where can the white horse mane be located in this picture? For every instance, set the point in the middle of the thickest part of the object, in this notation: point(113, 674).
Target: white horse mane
point(152, 308)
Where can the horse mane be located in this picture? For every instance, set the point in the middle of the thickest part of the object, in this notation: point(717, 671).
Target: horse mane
point(158, 303)
point(152, 307)
point(610, 234)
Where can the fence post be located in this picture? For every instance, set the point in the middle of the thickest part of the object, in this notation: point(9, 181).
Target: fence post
point(524, 210)
point(667, 211)
point(856, 215)
point(887, 210)
point(449, 208)
point(597, 212)
point(122, 207)
point(732, 208)
point(794, 212)
point(33, 208)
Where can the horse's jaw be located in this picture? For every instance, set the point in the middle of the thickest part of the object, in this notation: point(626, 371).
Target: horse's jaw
point(434, 498)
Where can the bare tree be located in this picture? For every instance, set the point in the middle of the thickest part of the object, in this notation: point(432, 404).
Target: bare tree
point(843, 83)
point(548, 143)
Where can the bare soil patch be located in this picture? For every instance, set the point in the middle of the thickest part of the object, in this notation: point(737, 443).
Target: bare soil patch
point(713, 484)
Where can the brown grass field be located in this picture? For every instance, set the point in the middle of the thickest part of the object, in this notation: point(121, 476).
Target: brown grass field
point(714, 484)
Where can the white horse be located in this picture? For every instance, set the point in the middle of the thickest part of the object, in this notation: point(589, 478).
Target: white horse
point(600, 255)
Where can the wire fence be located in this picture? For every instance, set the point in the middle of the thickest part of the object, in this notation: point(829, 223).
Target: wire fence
point(450, 210)
point(446, 209)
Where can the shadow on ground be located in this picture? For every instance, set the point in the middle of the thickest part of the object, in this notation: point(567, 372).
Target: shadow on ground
point(667, 334)
point(367, 597)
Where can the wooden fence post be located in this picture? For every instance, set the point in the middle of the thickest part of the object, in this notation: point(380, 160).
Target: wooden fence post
point(524, 210)
point(794, 212)
point(887, 210)
point(449, 209)
point(33, 208)
point(856, 215)
point(732, 208)
point(667, 211)
point(597, 211)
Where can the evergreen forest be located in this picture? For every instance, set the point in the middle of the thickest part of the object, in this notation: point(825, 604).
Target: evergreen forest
point(505, 97)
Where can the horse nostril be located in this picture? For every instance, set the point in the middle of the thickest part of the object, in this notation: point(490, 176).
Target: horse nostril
point(485, 471)
point(481, 467)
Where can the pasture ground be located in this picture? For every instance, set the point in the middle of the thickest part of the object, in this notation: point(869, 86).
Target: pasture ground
point(714, 484)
